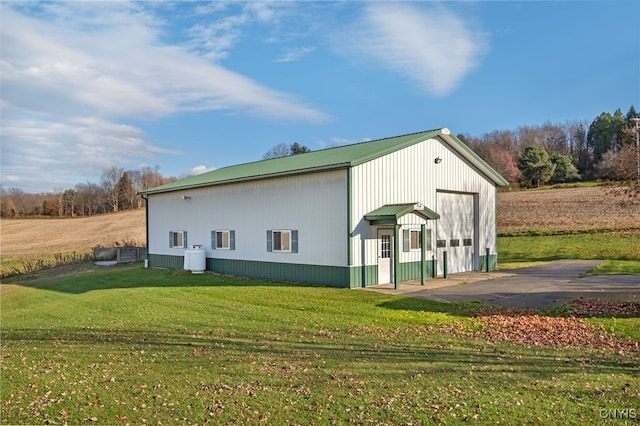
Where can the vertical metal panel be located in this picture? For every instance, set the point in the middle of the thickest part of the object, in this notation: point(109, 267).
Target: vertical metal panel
point(314, 204)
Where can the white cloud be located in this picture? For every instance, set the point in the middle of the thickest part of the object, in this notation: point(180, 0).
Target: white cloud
point(295, 54)
point(73, 72)
point(429, 44)
point(215, 37)
point(39, 152)
point(198, 170)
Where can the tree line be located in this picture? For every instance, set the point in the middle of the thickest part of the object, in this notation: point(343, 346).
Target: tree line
point(555, 153)
point(530, 156)
point(116, 191)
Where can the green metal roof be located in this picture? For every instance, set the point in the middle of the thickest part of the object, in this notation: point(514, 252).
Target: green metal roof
point(390, 213)
point(326, 159)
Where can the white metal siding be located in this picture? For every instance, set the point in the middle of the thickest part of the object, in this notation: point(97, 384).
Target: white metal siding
point(457, 223)
point(314, 204)
point(411, 175)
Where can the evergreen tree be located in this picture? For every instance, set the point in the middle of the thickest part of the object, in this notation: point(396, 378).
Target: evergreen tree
point(564, 170)
point(601, 134)
point(296, 149)
point(536, 166)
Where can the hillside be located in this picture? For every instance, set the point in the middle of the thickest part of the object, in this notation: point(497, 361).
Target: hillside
point(557, 209)
point(24, 237)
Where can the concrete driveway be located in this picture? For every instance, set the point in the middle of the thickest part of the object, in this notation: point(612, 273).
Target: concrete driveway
point(534, 287)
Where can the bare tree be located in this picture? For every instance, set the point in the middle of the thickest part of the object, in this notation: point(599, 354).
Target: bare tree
point(280, 150)
point(499, 158)
point(109, 182)
point(150, 177)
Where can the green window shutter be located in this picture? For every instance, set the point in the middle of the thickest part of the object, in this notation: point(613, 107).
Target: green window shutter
point(269, 240)
point(406, 240)
point(429, 240)
point(294, 241)
point(170, 238)
point(213, 240)
point(232, 240)
point(184, 240)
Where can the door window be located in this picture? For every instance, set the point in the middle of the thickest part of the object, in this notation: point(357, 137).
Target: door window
point(385, 246)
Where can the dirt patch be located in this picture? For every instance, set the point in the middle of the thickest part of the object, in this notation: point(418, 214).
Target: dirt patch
point(564, 210)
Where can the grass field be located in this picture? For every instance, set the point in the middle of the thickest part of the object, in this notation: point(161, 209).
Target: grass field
point(135, 346)
point(619, 249)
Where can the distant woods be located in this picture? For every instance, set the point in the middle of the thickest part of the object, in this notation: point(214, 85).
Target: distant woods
point(557, 153)
point(116, 191)
point(530, 156)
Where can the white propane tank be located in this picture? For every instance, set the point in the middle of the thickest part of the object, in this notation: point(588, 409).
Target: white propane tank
point(187, 258)
point(195, 259)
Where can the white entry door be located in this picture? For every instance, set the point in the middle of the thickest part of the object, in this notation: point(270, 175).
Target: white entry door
point(385, 256)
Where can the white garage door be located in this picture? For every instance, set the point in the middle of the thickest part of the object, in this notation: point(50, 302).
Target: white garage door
point(455, 232)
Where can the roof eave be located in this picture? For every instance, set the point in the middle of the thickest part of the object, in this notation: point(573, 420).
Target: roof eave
point(249, 178)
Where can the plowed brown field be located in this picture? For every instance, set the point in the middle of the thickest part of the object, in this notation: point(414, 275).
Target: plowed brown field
point(553, 209)
point(567, 209)
point(32, 237)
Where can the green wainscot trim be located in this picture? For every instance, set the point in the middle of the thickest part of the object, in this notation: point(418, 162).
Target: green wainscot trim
point(493, 262)
point(331, 276)
point(410, 271)
point(363, 276)
point(366, 276)
point(165, 261)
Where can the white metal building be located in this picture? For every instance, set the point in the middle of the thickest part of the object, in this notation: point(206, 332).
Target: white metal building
point(383, 211)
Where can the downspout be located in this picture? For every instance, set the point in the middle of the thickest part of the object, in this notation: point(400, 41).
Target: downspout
point(145, 197)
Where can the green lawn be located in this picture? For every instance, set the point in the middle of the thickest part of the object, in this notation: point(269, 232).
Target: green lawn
point(619, 249)
point(130, 345)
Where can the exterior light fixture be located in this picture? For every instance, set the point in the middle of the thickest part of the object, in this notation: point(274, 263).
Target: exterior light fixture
point(186, 197)
point(438, 160)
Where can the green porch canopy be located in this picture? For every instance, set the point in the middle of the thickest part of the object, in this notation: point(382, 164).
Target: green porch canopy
point(390, 213)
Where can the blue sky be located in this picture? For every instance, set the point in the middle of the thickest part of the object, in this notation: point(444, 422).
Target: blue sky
point(192, 86)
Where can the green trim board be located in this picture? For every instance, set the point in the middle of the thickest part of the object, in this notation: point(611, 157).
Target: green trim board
point(390, 213)
point(493, 262)
point(327, 159)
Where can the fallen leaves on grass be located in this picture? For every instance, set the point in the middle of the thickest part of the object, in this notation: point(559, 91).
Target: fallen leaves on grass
point(526, 327)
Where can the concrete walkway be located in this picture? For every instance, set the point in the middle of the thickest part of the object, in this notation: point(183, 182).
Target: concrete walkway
point(535, 287)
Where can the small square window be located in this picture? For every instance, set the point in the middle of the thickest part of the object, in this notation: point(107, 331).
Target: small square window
point(454, 243)
point(223, 240)
point(416, 242)
point(467, 242)
point(282, 240)
point(412, 239)
point(178, 239)
point(441, 243)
